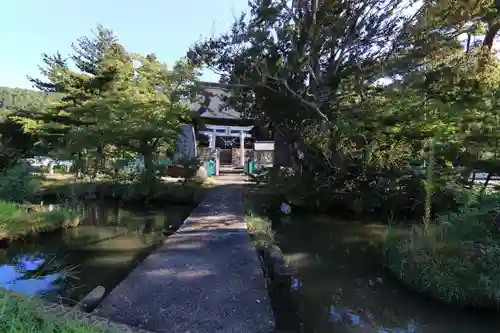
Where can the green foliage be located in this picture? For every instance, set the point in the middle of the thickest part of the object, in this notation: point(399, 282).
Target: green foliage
point(19, 314)
point(454, 260)
point(189, 166)
point(13, 142)
point(126, 191)
point(9, 210)
point(356, 113)
point(18, 221)
point(24, 99)
point(259, 227)
point(114, 104)
point(17, 184)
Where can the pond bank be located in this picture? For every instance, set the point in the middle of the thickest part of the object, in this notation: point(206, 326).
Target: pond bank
point(166, 192)
point(454, 259)
point(276, 271)
point(109, 242)
point(339, 283)
point(22, 314)
point(206, 277)
point(18, 221)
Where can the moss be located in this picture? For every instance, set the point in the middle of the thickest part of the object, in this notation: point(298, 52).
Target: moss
point(454, 260)
point(18, 221)
point(19, 314)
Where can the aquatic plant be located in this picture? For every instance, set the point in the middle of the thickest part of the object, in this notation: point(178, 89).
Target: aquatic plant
point(455, 259)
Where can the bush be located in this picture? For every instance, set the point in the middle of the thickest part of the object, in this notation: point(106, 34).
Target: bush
point(17, 184)
point(126, 191)
point(378, 192)
point(190, 167)
point(455, 259)
point(60, 168)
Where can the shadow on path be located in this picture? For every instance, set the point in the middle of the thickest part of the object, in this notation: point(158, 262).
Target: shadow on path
point(205, 278)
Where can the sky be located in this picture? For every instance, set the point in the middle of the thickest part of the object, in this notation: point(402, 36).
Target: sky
point(167, 28)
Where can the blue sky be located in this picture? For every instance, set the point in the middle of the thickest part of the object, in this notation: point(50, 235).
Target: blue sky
point(165, 27)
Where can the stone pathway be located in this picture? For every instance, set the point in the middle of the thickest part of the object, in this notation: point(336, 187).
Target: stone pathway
point(205, 278)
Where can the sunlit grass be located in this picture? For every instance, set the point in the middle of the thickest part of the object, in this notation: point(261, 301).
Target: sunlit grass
point(16, 221)
point(176, 192)
point(23, 314)
point(20, 314)
point(454, 260)
point(259, 227)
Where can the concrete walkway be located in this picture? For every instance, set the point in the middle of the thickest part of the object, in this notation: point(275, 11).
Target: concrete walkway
point(205, 278)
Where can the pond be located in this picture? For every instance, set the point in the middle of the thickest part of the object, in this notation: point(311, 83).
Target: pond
point(107, 245)
point(339, 284)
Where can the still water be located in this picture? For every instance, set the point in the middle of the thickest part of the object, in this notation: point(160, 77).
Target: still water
point(108, 243)
point(339, 285)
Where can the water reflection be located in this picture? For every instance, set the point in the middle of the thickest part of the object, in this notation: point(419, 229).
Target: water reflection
point(108, 243)
point(339, 284)
point(23, 275)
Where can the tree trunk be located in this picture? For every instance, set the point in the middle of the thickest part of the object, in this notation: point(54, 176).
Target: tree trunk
point(491, 33)
point(473, 180)
point(149, 170)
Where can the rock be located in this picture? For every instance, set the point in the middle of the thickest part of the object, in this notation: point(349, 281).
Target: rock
point(89, 302)
point(201, 175)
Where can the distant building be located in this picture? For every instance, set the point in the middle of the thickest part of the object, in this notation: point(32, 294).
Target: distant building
point(219, 129)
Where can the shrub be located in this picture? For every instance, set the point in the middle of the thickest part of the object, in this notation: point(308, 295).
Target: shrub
point(190, 167)
point(379, 192)
point(456, 259)
point(17, 184)
point(60, 168)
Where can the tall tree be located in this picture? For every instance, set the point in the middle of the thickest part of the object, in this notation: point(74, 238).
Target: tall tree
point(140, 109)
point(113, 101)
point(359, 88)
point(304, 66)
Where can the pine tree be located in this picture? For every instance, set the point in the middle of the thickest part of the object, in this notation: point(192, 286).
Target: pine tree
point(115, 102)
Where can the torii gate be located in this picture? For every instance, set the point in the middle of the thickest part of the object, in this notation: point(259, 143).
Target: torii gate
point(232, 131)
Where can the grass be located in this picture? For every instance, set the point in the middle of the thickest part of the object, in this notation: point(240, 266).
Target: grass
point(259, 227)
point(172, 192)
point(18, 221)
point(455, 259)
point(19, 314)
